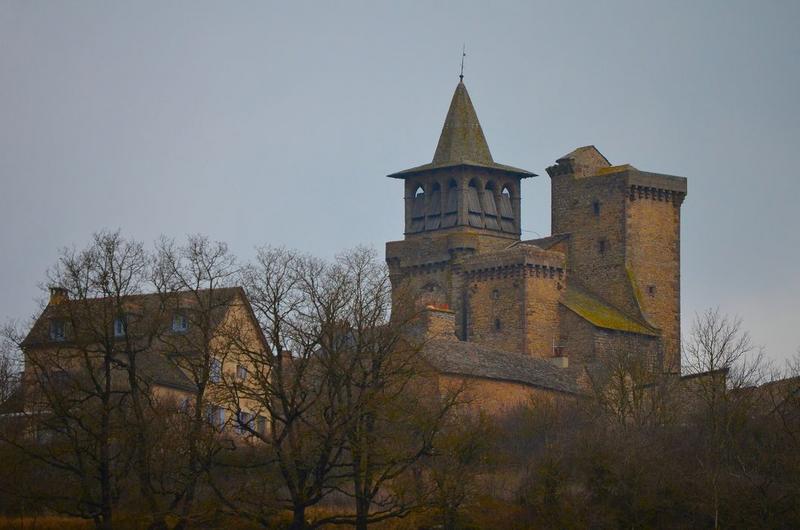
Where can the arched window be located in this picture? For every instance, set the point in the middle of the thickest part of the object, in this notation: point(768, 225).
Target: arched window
point(418, 210)
point(451, 205)
point(474, 205)
point(506, 211)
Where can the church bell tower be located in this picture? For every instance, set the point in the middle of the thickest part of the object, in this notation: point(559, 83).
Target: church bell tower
point(460, 204)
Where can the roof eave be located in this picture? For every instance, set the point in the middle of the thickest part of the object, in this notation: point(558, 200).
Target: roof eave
point(425, 168)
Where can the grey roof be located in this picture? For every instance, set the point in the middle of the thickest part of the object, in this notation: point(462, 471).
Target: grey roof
point(462, 142)
point(456, 357)
point(545, 242)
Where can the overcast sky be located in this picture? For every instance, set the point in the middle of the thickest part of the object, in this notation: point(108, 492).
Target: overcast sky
point(277, 122)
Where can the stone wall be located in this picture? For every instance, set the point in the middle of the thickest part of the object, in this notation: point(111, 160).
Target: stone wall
point(495, 397)
point(653, 226)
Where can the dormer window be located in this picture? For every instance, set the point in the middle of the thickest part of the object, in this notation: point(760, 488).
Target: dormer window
point(120, 326)
point(57, 330)
point(179, 323)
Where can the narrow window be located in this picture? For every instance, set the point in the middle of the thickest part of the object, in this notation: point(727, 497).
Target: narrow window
point(179, 323)
point(241, 372)
point(495, 295)
point(601, 246)
point(497, 324)
point(57, 330)
point(215, 371)
point(596, 208)
point(261, 425)
point(120, 325)
point(651, 290)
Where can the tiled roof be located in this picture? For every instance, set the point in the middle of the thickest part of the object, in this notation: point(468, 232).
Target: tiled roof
point(153, 361)
point(456, 357)
point(545, 242)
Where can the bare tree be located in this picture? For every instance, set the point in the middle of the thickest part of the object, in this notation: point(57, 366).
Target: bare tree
point(721, 360)
point(394, 408)
point(193, 282)
point(80, 374)
point(298, 302)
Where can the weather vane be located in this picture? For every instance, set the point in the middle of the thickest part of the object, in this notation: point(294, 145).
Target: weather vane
point(463, 54)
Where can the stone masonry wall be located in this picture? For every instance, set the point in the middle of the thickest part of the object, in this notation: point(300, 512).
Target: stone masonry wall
point(654, 260)
point(592, 211)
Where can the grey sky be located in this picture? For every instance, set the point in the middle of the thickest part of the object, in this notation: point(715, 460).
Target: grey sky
point(276, 122)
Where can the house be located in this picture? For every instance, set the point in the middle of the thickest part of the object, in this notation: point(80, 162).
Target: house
point(179, 348)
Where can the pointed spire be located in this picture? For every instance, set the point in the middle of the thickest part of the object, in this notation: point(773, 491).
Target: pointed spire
point(462, 138)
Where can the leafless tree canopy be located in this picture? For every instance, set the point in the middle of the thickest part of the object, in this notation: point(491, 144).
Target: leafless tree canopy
point(333, 415)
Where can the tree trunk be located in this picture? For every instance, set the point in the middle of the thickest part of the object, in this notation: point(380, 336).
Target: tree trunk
point(362, 513)
point(299, 518)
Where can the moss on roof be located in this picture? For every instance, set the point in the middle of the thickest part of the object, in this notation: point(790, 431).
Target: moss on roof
point(613, 169)
point(600, 314)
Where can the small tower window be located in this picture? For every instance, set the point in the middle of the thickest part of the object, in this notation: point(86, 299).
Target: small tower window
point(596, 208)
point(506, 192)
point(497, 324)
point(495, 295)
point(651, 290)
point(602, 246)
point(419, 192)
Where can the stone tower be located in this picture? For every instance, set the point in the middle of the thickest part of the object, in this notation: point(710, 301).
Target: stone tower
point(460, 204)
point(624, 238)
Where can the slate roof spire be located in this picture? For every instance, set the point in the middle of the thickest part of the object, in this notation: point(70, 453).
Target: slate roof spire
point(462, 142)
point(462, 138)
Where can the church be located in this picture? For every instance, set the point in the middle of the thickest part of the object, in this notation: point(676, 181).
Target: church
point(518, 316)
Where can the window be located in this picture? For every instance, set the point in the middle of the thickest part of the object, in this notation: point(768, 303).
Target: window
point(601, 246)
point(495, 295)
point(57, 330)
point(215, 416)
point(497, 324)
point(120, 326)
point(241, 372)
point(184, 405)
point(261, 425)
point(215, 371)
point(244, 422)
point(179, 323)
point(596, 207)
point(651, 290)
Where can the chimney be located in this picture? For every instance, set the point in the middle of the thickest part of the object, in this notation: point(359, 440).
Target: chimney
point(58, 295)
point(437, 322)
